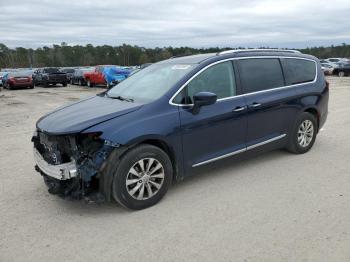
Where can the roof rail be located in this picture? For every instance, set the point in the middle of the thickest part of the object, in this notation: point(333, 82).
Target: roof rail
point(257, 50)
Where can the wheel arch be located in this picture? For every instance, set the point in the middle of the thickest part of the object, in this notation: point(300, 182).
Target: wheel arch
point(313, 111)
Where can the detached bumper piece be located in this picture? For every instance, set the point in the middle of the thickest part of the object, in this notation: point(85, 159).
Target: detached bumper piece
point(60, 172)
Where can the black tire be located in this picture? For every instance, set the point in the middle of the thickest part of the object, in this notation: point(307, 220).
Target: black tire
point(119, 187)
point(31, 87)
point(45, 84)
point(64, 84)
point(293, 145)
point(341, 74)
point(89, 84)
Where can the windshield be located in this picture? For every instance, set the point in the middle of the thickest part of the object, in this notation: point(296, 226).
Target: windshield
point(51, 70)
point(150, 83)
point(68, 70)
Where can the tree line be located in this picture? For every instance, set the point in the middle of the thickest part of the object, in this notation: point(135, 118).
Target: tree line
point(126, 55)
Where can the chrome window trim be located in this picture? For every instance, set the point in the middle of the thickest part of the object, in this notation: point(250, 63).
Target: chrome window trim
point(241, 58)
point(240, 150)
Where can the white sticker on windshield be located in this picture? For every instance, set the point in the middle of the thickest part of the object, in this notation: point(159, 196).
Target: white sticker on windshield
point(180, 67)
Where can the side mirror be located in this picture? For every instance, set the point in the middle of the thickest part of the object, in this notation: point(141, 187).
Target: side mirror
point(203, 99)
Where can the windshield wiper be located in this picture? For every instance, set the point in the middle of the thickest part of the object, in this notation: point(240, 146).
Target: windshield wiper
point(121, 98)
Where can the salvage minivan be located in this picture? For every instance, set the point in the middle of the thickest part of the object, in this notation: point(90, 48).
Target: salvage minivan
point(132, 141)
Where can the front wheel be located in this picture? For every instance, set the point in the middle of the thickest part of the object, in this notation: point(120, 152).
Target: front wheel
point(142, 177)
point(303, 135)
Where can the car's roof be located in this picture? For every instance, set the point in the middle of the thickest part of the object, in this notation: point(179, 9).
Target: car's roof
point(197, 59)
point(191, 59)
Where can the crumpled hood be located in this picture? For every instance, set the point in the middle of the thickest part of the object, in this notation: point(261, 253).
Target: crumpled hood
point(86, 113)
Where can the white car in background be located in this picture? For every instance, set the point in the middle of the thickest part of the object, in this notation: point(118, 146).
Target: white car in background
point(327, 68)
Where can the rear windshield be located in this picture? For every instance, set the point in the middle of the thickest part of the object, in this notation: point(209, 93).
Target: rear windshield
point(21, 73)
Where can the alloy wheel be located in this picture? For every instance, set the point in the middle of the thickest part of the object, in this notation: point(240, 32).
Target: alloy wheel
point(305, 133)
point(145, 178)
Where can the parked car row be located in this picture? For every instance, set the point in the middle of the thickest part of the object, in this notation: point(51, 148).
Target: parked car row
point(336, 66)
point(107, 75)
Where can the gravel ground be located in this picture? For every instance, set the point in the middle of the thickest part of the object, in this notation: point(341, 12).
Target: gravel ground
point(275, 207)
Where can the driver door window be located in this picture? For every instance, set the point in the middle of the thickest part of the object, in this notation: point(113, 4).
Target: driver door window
point(218, 79)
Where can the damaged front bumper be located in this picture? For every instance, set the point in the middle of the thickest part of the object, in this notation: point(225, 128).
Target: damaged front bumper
point(60, 172)
point(79, 166)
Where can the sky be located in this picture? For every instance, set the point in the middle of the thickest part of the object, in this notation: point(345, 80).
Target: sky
point(159, 23)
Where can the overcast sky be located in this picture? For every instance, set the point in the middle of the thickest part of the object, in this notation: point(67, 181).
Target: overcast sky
point(195, 23)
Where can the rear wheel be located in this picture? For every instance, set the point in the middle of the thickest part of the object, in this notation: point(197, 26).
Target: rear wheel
point(303, 135)
point(341, 74)
point(143, 177)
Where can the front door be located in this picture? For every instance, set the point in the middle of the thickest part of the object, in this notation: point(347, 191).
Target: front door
point(218, 130)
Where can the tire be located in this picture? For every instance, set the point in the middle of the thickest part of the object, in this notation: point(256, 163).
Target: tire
point(64, 84)
point(89, 84)
point(31, 87)
point(45, 84)
point(156, 183)
point(299, 143)
point(341, 74)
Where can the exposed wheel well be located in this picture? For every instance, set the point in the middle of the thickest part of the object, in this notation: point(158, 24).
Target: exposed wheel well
point(315, 113)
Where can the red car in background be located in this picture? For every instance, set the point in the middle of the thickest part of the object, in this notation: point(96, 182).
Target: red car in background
point(18, 79)
point(96, 77)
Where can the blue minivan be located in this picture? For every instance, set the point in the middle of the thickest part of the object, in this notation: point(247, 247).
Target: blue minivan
point(132, 141)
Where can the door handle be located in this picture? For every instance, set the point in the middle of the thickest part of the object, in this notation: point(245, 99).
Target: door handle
point(239, 109)
point(254, 105)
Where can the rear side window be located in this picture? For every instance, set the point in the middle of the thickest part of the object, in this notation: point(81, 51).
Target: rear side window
point(258, 74)
point(298, 71)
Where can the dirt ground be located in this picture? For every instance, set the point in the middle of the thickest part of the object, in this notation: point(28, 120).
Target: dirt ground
point(275, 207)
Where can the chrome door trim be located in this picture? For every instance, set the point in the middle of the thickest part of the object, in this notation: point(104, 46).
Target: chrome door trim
point(220, 157)
point(266, 141)
point(241, 58)
point(240, 150)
